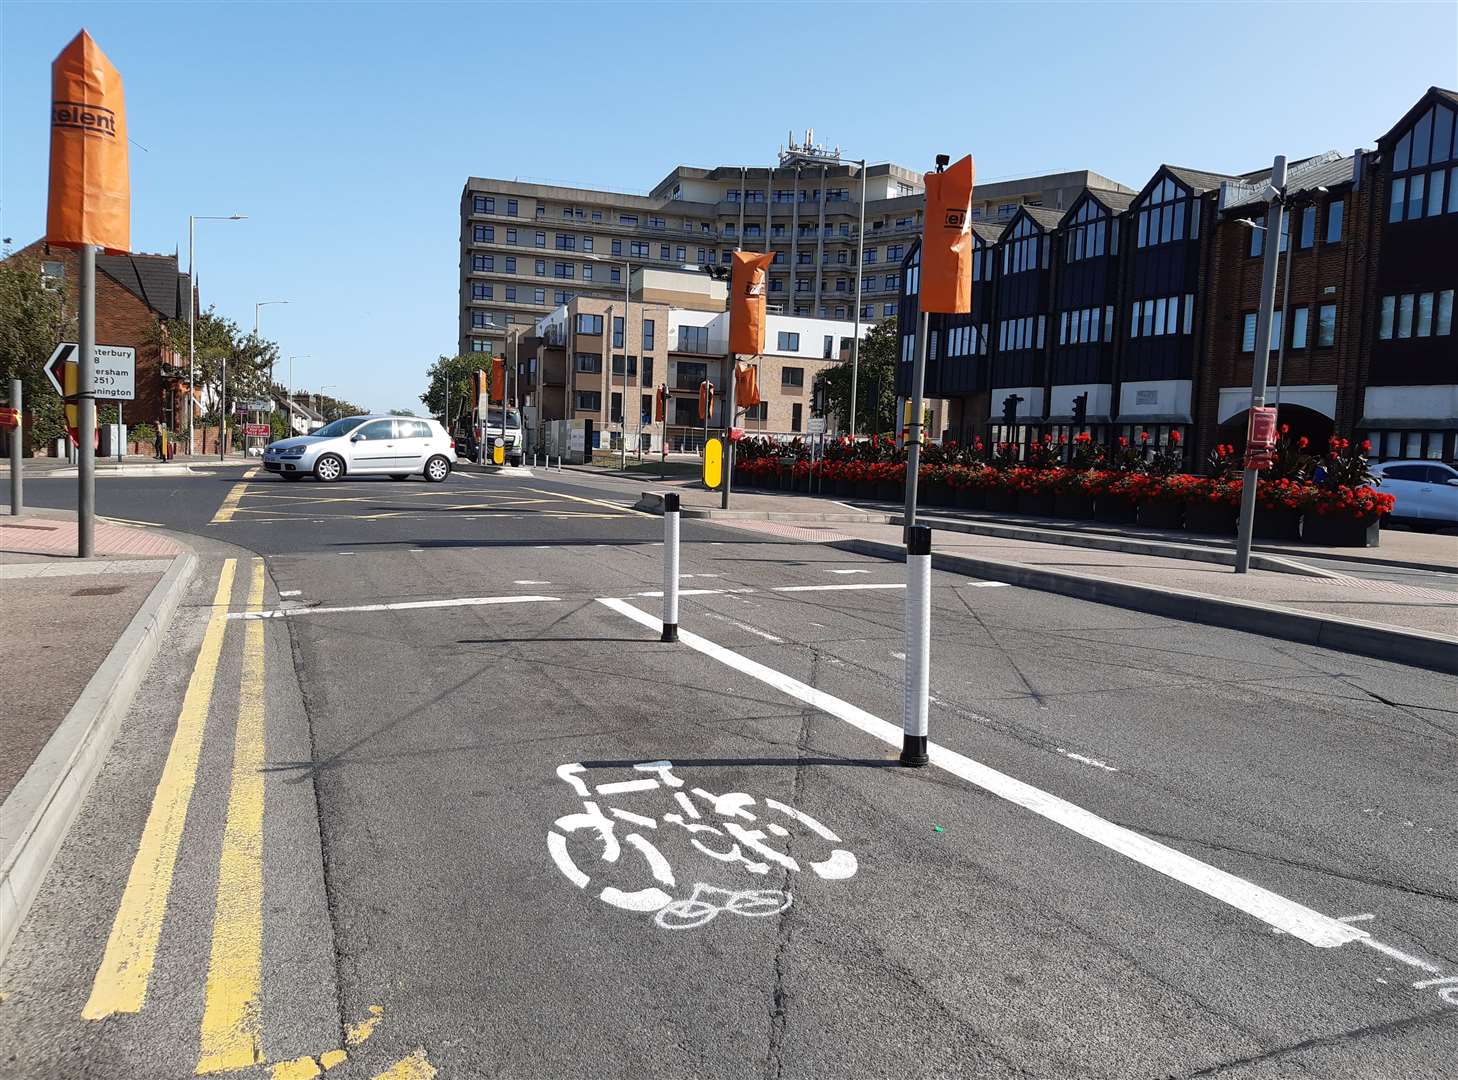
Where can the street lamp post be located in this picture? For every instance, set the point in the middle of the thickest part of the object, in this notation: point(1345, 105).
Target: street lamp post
point(319, 397)
point(192, 220)
point(860, 269)
point(256, 308)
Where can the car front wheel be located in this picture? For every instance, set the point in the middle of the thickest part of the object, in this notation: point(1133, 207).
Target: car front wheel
point(437, 469)
point(328, 468)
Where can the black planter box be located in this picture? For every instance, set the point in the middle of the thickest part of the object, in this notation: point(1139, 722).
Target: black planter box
point(1333, 530)
point(1001, 502)
point(1036, 505)
point(1207, 517)
point(1161, 514)
point(1074, 505)
point(1115, 509)
point(889, 491)
point(934, 493)
point(1281, 524)
point(970, 498)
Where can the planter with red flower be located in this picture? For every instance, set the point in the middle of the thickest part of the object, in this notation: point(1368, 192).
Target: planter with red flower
point(969, 485)
point(1033, 490)
point(1073, 493)
point(1116, 497)
point(1278, 509)
point(1342, 509)
point(1162, 500)
point(1211, 505)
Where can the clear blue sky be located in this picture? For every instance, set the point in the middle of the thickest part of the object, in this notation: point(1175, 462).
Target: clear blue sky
point(345, 131)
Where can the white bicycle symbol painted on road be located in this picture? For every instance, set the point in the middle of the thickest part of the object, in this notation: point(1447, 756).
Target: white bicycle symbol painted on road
point(733, 835)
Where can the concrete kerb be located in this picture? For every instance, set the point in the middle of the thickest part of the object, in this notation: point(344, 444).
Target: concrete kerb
point(38, 813)
point(516, 472)
point(1397, 644)
point(1127, 545)
point(651, 502)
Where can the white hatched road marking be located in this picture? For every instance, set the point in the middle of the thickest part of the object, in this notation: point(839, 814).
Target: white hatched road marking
point(405, 605)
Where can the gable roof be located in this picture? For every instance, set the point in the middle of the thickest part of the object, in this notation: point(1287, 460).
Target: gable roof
point(1435, 93)
point(1325, 170)
point(989, 231)
point(1042, 216)
point(1197, 180)
point(152, 279)
point(1116, 202)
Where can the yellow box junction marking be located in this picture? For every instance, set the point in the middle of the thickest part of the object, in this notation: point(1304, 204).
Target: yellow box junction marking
point(120, 985)
point(230, 501)
point(355, 1034)
point(232, 1036)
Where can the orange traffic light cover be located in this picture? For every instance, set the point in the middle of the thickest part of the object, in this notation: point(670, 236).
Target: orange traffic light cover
point(746, 386)
point(946, 242)
point(498, 379)
point(90, 199)
point(747, 289)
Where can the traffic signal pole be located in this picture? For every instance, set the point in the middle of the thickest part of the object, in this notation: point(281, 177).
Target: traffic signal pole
point(86, 409)
point(730, 379)
point(1261, 363)
point(914, 433)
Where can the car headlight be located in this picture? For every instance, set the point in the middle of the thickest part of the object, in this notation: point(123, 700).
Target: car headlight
point(293, 452)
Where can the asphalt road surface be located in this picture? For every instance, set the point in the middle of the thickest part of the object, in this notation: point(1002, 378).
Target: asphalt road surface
point(415, 789)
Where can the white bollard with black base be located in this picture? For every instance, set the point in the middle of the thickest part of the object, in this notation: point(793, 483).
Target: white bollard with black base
point(918, 645)
point(670, 567)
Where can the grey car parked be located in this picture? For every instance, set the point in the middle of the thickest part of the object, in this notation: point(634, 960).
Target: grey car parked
point(397, 446)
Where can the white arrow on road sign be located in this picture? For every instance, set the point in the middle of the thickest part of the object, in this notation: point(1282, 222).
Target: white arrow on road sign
point(113, 375)
point(55, 368)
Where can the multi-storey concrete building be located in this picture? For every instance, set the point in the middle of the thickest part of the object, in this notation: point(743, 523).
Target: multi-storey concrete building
point(1140, 312)
point(527, 248)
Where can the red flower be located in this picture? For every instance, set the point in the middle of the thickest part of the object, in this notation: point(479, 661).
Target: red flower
point(1303, 442)
point(1285, 429)
point(1366, 444)
point(1123, 440)
point(1144, 436)
point(1175, 437)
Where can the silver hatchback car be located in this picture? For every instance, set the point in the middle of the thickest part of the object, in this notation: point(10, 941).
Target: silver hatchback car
point(396, 446)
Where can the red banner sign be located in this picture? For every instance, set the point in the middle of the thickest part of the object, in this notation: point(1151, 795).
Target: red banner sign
point(261, 431)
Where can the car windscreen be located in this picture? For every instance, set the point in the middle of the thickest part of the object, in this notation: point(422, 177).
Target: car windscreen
point(493, 418)
point(338, 427)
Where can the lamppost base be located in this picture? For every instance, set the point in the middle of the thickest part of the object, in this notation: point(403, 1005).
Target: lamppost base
point(670, 632)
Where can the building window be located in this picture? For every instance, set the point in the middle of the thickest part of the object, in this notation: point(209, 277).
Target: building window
point(1425, 315)
point(615, 275)
point(647, 334)
point(561, 296)
point(588, 363)
point(617, 331)
point(511, 264)
point(663, 252)
point(589, 400)
point(678, 254)
point(483, 234)
point(1445, 313)
point(617, 247)
point(1162, 214)
point(1405, 305)
point(540, 240)
point(1415, 191)
point(1308, 227)
point(829, 347)
point(627, 219)
point(511, 236)
point(511, 208)
point(511, 293)
point(1384, 329)
point(625, 365)
point(1299, 317)
point(541, 268)
point(587, 243)
point(539, 296)
point(1085, 240)
point(480, 320)
point(480, 290)
point(597, 215)
point(647, 371)
point(1020, 251)
point(480, 262)
point(589, 324)
point(789, 342)
point(1335, 210)
point(694, 339)
point(478, 345)
point(640, 249)
point(485, 204)
point(1248, 332)
point(888, 310)
point(587, 272)
point(1326, 317)
point(565, 241)
point(793, 376)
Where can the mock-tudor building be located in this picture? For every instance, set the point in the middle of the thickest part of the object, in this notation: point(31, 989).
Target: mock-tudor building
point(1147, 304)
point(135, 296)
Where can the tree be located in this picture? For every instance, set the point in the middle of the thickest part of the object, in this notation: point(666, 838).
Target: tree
point(402, 412)
point(875, 383)
point(33, 320)
point(218, 342)
point(453, 374)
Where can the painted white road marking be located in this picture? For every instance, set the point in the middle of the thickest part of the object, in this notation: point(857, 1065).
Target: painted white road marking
point(743, 626)
point(1400, 956)
point(987, 584)
point(694, 592)
point(290, 592)
point(1086, 760)
point(405, 605)
point(528, 581)
point(840, 588)
point(849, 571)
point(1296, 919)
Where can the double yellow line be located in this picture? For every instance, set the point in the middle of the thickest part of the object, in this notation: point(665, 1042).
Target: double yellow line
point(231, 1028)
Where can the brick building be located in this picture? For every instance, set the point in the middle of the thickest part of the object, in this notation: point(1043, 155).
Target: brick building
point(136, 295)
point(1141, 310)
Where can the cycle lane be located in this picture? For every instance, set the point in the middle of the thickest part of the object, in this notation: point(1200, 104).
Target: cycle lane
point(1000, 942)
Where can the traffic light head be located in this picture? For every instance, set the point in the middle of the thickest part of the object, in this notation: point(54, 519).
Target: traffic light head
point(1010, 408)
point(1080, 408)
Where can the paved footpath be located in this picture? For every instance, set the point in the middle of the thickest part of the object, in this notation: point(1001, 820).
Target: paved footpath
point(421, 793)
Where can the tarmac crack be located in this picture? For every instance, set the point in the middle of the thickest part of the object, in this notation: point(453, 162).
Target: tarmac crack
point(1281, 1053)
